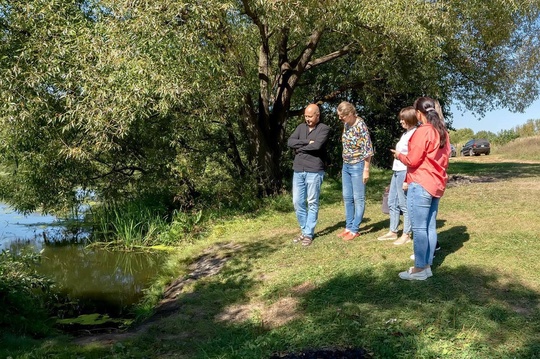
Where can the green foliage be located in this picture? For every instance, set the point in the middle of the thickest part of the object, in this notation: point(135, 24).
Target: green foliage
point(24, 296)
point(529, 129)
point(183, 227)
point(461, 136)
point(488, 135)
point(504, 136)
point(193, 100)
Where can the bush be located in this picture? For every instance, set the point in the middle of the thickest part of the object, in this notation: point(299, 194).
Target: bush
point(504, 137)
point(23, 296)
point(183, 227)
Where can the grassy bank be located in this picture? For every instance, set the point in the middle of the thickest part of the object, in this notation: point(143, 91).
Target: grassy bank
point(523, 148)
point(273, 296)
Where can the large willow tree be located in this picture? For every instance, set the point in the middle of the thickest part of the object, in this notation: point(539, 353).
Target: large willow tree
point(183, 98)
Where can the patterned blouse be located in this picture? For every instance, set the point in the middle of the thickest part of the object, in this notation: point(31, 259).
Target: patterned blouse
point(356, 142)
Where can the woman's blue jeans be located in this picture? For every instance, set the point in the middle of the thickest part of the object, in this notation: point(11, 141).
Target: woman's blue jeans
point(306, 190)
point(354, 194)
point(423, 209)
point(397, 202)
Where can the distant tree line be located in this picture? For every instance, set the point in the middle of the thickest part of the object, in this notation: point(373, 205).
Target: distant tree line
point(529, 129)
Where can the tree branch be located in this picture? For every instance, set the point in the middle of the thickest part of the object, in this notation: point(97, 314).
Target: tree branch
point(300, 63)
point(264, 65)
point(126, 171)
point(329, 57)
point(283, 55)
point(294, 113)
point(255, 18)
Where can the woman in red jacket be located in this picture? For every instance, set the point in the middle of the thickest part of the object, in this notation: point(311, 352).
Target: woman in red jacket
point(426, 161)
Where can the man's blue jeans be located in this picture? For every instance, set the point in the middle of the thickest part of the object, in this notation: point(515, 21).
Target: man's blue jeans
point(397, 203)
point(354, 194)
point(306, 190)
point(423, 209)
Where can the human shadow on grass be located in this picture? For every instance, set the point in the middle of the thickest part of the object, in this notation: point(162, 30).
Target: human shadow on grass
point(392, 317)
point(338, 227)
point(451, 241)
point(365, 227)
point(466, 307)
point(371, 309)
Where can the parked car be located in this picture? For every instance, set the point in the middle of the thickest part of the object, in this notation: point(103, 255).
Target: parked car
point(452, 151)
point(476, 147)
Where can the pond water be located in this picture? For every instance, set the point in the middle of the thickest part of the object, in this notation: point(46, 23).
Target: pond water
point(17, 230)
point(98, 280)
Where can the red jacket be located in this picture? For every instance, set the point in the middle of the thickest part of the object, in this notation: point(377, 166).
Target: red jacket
point(426, 162)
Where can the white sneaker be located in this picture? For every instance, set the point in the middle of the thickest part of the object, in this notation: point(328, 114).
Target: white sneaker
point(404, 239)
point(428, 271)
point(390, 236)
point(409, 275)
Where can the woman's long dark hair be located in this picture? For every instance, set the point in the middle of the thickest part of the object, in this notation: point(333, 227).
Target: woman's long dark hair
point(426, 105)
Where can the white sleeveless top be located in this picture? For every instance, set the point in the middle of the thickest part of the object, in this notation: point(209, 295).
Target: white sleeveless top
point(403, 147)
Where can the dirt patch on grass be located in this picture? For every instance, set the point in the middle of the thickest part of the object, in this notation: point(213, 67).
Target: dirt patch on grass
point(460, 180)
point(279, 313)
point(271, 316)
point(303, 288)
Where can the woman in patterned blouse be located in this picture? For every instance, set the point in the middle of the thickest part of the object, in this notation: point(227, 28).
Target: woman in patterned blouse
point(357, 152)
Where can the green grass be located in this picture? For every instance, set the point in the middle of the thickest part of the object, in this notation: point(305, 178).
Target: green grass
point(273, 296)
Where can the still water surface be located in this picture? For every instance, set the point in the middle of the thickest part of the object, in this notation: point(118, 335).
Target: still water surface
point(100, 280)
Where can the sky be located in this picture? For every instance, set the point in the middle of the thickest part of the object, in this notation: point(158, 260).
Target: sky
point(494, 121)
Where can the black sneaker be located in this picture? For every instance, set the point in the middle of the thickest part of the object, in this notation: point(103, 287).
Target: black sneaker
point(437, 246)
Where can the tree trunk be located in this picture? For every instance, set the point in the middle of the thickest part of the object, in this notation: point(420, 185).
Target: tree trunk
point(266, 125)
point(265, 147)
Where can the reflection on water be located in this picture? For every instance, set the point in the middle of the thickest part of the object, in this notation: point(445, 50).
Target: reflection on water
point(99, 280)
point(103, 281)
point(19, 230)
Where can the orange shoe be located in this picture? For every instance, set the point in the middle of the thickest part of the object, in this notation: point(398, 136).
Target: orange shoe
point(343, 234)
point(350, 236)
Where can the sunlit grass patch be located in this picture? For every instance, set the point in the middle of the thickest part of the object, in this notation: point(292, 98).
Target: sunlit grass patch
point(523, 148)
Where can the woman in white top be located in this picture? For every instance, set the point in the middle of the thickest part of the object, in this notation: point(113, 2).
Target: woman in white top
point(397, 198)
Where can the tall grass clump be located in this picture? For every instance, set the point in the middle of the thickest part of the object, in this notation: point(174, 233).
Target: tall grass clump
point(128, 224)
point(523, 148)
point(139, 223)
